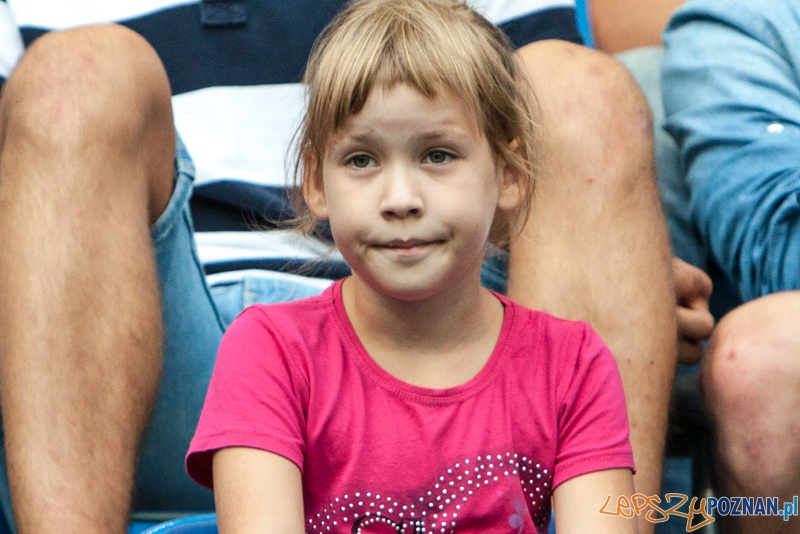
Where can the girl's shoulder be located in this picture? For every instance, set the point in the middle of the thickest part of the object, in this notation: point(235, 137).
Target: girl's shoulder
point(559, 348)
point(292, 314)
point(286, 328)
point(540, 326)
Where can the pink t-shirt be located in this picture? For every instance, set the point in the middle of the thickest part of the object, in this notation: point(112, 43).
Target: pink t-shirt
point(385, 455)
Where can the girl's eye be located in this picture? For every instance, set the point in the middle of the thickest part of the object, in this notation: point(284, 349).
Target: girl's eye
point(361, 161)
point(437, 157)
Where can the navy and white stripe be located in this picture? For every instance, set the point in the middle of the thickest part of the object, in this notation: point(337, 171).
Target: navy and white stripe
point(234, 68)
point(11, 46)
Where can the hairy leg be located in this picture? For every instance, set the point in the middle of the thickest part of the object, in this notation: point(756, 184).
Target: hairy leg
point(751, 381)
point(595, 247)
point(86, 164)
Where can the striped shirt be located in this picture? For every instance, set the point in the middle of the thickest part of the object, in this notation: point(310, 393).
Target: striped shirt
point(234, 67)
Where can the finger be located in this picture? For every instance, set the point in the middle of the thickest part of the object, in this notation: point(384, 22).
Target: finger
point(692, 285)
point(689, 352)
point(695, 325)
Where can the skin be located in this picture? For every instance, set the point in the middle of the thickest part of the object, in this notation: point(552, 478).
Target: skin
point(80, 351)
point(695, 322)
point(102, 137)
point(417, 253)
point(752, 356)
point(246, 504)
point(586, 494)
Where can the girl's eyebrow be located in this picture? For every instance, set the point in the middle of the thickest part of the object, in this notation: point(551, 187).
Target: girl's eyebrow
point(357, 134)
point(371, 135)
point(434, 135)
point(360, 137)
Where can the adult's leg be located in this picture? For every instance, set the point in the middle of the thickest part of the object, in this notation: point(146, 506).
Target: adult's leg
point(751, 381)
point(595, 247)
point(86, 164)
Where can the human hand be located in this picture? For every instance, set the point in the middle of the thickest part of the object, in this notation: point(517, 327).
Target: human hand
point(695, 323)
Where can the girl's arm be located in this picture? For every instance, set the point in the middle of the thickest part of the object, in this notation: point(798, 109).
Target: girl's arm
point(578, 502)
point(257, 492)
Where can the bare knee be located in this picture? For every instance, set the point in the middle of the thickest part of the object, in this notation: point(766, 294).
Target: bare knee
point(752, 347)
point(590, 87)
point(751, 381)
point(590, 104)
point(82, 78)
point(99, 86)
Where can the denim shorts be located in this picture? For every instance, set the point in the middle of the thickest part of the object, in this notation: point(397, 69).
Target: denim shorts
point(196, 310)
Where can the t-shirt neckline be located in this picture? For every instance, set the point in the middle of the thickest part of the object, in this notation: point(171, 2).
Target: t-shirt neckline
point(420, 393)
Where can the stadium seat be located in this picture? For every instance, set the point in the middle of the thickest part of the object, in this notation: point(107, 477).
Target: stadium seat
point(198, 524)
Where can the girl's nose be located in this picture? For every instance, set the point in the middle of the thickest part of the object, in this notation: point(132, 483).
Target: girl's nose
point(402, 196)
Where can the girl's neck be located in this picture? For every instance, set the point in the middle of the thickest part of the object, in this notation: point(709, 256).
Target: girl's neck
point(440, 341)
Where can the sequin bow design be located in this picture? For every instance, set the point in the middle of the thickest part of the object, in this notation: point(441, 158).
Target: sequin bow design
point(437, 510)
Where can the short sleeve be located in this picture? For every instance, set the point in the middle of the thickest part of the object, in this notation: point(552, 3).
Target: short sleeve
point(592, 416)
point(258, 396)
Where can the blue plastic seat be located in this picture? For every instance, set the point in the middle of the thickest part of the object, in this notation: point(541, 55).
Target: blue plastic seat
point(197, 524)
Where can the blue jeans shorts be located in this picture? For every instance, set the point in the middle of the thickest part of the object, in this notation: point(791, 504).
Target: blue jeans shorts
point(196, 310)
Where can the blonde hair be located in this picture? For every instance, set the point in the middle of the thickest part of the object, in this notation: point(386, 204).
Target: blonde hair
point(427, 45)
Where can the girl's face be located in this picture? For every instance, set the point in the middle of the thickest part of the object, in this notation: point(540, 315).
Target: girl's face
point(410, 186)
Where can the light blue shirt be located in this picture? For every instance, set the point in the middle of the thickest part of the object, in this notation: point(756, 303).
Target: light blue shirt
point(731, 89)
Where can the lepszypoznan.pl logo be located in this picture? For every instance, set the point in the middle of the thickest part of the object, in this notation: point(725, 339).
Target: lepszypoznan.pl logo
point(700, 511)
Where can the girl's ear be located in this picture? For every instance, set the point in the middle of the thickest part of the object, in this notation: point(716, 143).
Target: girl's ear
point(313, 188)
point(510, 184)
point(510, 190)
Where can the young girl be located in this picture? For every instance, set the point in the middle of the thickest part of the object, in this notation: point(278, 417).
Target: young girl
point(407, 398)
